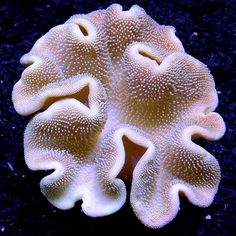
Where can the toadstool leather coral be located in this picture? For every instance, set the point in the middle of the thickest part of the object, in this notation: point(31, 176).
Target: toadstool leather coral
point(118, 99)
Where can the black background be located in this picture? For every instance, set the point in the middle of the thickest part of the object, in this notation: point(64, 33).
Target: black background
point(206, 29)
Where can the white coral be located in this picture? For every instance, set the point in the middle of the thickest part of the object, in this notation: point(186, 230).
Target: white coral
point(122, 100)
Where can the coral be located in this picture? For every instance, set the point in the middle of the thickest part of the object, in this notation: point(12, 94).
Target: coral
point(119, 99)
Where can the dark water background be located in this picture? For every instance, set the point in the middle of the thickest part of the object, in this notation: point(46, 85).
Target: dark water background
point(207, 30)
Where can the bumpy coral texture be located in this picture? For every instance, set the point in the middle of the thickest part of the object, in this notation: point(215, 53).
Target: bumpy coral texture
point(118, 99)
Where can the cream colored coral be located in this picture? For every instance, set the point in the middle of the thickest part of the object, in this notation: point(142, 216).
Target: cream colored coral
point(122, 101)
